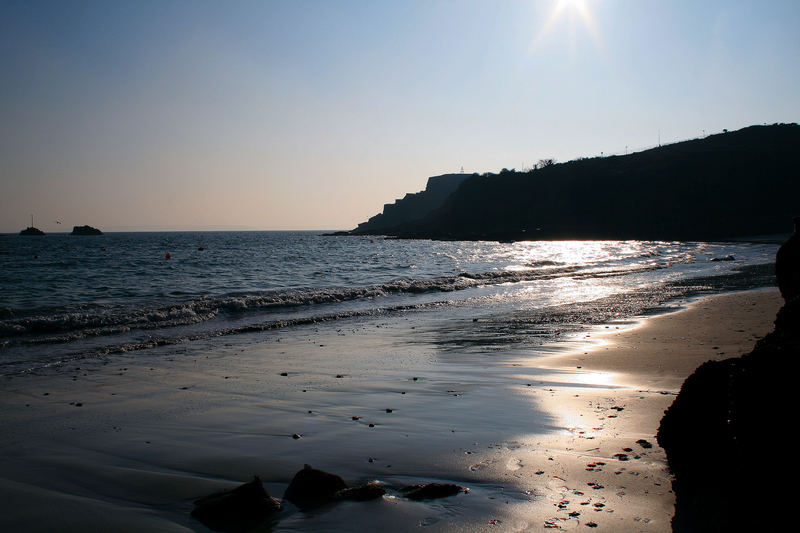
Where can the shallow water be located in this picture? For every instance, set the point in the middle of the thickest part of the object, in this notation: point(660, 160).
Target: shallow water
point(118, 411)
point(66, 298)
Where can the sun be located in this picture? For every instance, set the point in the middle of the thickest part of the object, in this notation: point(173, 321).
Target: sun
point(572, 10)
point(577, 5)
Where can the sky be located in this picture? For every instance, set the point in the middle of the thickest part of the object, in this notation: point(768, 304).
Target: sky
point(301, 114)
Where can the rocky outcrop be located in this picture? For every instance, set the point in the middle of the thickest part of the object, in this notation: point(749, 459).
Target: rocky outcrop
point(249, 506)
point(85, 230)
point(727, 434)
point(413, 206)
point(239, 509)
point(31, 231)
point(311, 488)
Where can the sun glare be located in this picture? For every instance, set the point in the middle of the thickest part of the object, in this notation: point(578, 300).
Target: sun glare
point(571, 10)
point(577, 5)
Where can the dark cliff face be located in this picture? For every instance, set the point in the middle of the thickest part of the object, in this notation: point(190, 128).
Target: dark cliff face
point(733, 184)
point(414, 206)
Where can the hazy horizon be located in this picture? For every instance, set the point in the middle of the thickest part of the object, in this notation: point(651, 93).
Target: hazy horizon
point(312, 115)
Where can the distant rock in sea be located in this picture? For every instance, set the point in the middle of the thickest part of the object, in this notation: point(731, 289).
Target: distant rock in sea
point(31, 231)
point(85, 230)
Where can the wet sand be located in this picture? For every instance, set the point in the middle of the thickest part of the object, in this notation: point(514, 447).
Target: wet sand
point(126, 444)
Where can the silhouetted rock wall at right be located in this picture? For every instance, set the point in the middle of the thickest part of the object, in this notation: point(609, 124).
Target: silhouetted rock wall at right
point(729, 434)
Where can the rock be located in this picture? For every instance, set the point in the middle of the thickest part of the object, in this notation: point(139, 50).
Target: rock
point(367, 491)
point(430, 491)
point(85, 230)
point(241, 508)
point(787, 265)
point(31, 231)
point(311, 488)
point(715, 431)
point(643, 443)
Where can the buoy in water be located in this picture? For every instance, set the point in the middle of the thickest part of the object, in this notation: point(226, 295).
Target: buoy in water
point(168, 256)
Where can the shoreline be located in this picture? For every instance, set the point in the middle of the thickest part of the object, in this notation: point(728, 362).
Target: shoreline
point(660, 365)
point(537, 440)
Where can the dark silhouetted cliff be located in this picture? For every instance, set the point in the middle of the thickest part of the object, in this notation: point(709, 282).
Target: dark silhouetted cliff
point(734, 184)
point(413, 206)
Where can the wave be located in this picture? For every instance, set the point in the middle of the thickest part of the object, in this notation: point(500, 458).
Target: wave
point(532, 325)
point(56, 327)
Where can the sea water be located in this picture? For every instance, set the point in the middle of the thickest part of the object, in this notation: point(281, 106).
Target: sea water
point(65, 298)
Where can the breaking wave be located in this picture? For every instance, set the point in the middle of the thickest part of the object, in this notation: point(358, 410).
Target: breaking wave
point(67, 326)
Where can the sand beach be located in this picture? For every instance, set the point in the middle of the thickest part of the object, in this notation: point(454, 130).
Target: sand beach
point(562, 442)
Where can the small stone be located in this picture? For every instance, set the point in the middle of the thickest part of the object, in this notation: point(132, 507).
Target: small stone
point(368, 491)
point(430, 491)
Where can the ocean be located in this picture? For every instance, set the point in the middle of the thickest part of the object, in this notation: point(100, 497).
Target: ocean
point(67, 298)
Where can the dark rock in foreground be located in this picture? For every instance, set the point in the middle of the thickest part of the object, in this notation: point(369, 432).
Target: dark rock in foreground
point(787, 265)
point(249, 506)
point(31, 231)
point(311, 488)
point(239, 509)
point(727, 435)
point(85, 230)
point(431, 491)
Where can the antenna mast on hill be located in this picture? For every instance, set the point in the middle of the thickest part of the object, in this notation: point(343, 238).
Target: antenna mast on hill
point(31, 220)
